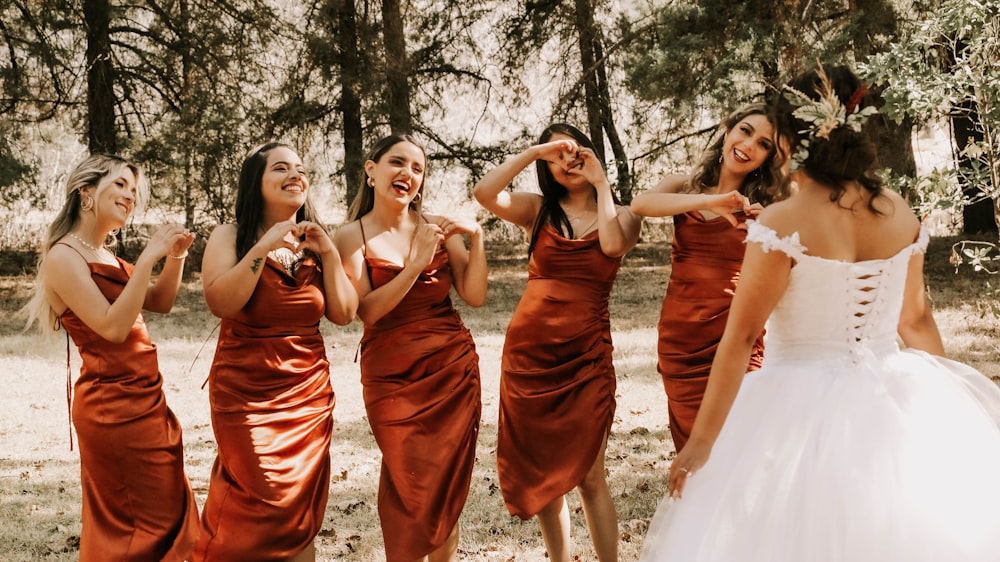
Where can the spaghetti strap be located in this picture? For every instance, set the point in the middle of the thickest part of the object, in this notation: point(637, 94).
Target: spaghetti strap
point(364, 240)
point(61, 243)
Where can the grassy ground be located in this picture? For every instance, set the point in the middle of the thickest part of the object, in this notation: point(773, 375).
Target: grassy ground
point(39, 483)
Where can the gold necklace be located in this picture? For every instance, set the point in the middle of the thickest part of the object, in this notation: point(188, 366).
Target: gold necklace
point(86, 244)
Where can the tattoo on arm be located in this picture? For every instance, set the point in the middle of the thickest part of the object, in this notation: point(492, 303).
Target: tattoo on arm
point(256, 264)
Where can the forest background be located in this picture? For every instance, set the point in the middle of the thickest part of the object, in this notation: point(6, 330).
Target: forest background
point(187, 87)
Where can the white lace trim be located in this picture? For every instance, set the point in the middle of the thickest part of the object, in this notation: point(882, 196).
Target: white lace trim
point(769, 240)
point(923, 239)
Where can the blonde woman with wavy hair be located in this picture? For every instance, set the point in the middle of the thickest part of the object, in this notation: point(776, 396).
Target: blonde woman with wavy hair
point(137, 502)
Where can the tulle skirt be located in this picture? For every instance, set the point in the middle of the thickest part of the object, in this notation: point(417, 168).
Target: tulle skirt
point(877, 459)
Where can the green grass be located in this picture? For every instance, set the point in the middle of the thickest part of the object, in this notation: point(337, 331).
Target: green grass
point(39, 475)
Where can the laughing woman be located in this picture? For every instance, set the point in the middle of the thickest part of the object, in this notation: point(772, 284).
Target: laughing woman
point(557, 388)
point(738, 174)
point(137, 503)
point(419, 365)
point(271, 277)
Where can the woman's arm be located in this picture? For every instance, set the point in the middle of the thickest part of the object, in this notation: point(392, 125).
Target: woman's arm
point(161, 296)
point(67, 278)
point(763, 280)
point(517, 208)
point(618, 228)
point(467, 264)
point(373, 304)
point(229, 283)
point(917, 327)
point(669, 198)
point(338, 291)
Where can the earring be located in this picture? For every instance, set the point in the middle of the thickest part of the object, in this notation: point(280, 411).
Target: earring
point(371, 182)
point(87, 204)
point(418, 196)
point(720, 158)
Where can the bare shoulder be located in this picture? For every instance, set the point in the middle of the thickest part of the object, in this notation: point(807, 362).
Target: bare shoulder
point(348, 237)
point(61, 258)
point(783, 217)
point(223, 233)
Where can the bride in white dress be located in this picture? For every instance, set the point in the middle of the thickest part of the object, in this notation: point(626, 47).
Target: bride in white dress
point(843, 447)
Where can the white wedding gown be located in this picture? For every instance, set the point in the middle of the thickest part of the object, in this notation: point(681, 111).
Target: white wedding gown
point(844, 448)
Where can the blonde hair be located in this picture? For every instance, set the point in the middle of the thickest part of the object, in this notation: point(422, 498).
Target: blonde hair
point(86, 174)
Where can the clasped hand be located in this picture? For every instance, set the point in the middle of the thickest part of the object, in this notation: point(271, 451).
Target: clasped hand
point(728, 204)
point(297, 237)
point(575, 160)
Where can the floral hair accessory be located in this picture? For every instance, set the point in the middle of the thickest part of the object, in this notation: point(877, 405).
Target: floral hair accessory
point(824, 115)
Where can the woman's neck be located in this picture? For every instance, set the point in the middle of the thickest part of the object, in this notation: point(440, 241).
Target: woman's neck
point(392, 218)
point(729, 181)
point(579, 202)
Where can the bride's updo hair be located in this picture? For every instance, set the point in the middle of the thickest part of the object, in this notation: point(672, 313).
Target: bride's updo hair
point(836, 153)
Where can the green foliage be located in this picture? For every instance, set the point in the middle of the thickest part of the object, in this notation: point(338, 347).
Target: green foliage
point(947, 64)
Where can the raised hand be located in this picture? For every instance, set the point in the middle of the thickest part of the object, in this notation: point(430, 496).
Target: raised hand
point(588, 166)
point(426, 239)
point(282, 234)
point(451, 226)
point(169, 239)
point(728, 204)
point(314, 238)
point(558, 152)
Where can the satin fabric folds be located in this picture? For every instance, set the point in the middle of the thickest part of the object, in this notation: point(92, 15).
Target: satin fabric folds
point(420, 373)
point(272, 413)
point(557, 387)
point(706, 260)
point(137, 503)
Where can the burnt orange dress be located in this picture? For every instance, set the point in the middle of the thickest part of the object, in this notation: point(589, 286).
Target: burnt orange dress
point(272, 413)
point(137, 503)
point(707, 257)
point(420, 373)
point(557, 386)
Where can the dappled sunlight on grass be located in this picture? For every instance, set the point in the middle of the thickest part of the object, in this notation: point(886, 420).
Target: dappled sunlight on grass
point(39, 475)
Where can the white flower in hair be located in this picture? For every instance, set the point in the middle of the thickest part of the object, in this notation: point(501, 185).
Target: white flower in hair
point(823, 115)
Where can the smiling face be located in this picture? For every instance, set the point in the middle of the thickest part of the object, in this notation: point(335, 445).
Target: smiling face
point(114, 197)
point(284, 182)
point(748, 144)
point(398, 174)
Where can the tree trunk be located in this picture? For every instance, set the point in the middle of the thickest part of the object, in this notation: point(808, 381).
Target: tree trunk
point(607, 113)
point(978, 217)
point(350, 101)
point(397, 69)
point(586, 36)
point(101, 135)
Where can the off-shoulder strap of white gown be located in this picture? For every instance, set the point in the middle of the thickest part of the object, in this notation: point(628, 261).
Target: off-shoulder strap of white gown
point(769, 240)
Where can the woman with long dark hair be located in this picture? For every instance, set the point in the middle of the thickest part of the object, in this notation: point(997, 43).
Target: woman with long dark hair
point(557, 387)
point(271, 277)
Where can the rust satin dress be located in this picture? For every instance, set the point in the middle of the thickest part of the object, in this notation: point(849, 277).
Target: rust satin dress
point(420, 373)
point(557, 386)
point(706, 258)
point(137, 503)
point(272, 413)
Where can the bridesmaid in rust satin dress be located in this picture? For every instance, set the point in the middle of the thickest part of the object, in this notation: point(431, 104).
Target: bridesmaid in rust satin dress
point(271, 277)
point(419, 365)
point(137, 502)
point(737, 175)
point(557, 388)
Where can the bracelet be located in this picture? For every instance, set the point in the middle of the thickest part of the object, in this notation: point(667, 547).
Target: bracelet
point(180, 257)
